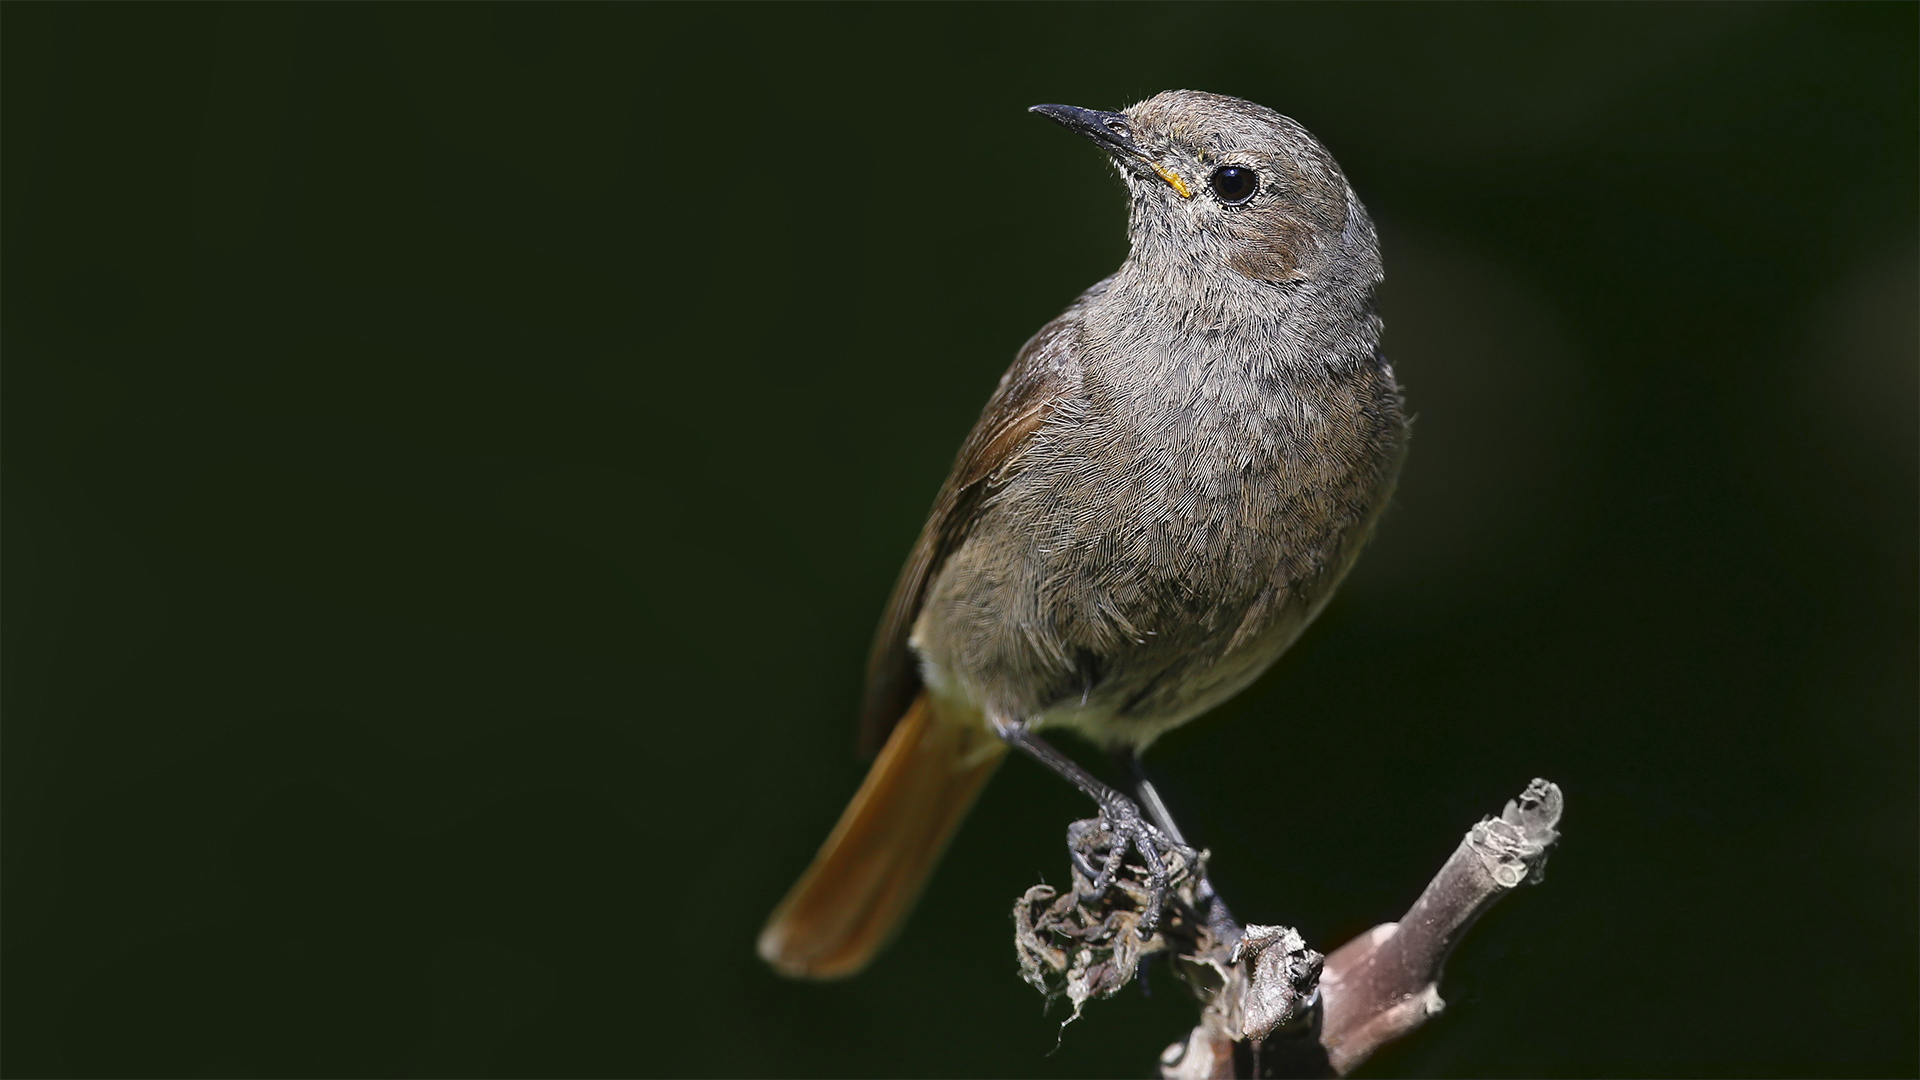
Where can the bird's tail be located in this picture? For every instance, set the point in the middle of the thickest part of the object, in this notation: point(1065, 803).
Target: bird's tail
point(871, 869)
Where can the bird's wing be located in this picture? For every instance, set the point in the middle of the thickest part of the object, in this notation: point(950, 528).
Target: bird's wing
point(1045, 375)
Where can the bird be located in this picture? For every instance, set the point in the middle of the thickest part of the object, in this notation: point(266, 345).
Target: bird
point(1163, 491)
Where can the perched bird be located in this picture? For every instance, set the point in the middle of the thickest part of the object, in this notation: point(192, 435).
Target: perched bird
point(1163, 492)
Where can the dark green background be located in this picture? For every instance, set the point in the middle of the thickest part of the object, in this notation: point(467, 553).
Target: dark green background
point(455, 456)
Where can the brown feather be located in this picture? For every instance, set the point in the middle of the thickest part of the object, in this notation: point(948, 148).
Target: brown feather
point(1043, 376)
point(870, 871)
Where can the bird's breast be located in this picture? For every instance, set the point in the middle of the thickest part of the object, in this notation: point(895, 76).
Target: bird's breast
point(1164, 538)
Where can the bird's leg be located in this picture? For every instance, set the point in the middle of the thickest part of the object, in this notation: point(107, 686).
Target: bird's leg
point(1219, 920)
point(1124, 820)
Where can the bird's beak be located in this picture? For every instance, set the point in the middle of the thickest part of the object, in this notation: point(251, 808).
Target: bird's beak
point(1114, 133)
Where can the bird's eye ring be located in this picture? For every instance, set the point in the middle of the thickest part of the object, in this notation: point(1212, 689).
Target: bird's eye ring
point(1234, 184)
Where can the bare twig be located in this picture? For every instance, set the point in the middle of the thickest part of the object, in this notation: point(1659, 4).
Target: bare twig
point(1386, 982)
point(1269, 1006)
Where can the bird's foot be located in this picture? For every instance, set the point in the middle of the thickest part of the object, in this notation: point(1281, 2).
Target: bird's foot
point(1127, 829)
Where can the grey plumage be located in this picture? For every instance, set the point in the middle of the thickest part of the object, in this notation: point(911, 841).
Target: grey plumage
point(1164, 490)
point(1176, 472)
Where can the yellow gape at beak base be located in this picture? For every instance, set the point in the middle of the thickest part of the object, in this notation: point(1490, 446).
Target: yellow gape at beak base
point(1173, 178)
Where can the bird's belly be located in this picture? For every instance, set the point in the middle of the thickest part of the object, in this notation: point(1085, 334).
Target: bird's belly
point(1156, 694)
point(1140, 565)
point(1120, 623)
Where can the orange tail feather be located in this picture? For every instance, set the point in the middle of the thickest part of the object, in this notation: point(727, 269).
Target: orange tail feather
point(871, 869)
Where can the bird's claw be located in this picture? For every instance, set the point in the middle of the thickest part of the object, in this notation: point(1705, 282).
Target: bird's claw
point(1127, 829)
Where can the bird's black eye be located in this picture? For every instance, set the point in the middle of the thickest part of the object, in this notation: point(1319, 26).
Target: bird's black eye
point(1234, 184)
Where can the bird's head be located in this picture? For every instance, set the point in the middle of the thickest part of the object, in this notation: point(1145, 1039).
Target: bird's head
point(1221, 184)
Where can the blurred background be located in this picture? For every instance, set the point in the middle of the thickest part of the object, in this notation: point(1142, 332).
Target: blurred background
point(455, 458)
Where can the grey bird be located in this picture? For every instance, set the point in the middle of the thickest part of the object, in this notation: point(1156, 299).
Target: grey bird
point(1165, 489)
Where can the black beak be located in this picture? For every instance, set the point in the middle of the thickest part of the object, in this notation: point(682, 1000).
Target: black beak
point(1110, 129)
point(1114, 132)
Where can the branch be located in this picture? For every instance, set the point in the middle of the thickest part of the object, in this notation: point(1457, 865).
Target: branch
point(1386, 982)
point(1270, 1005)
